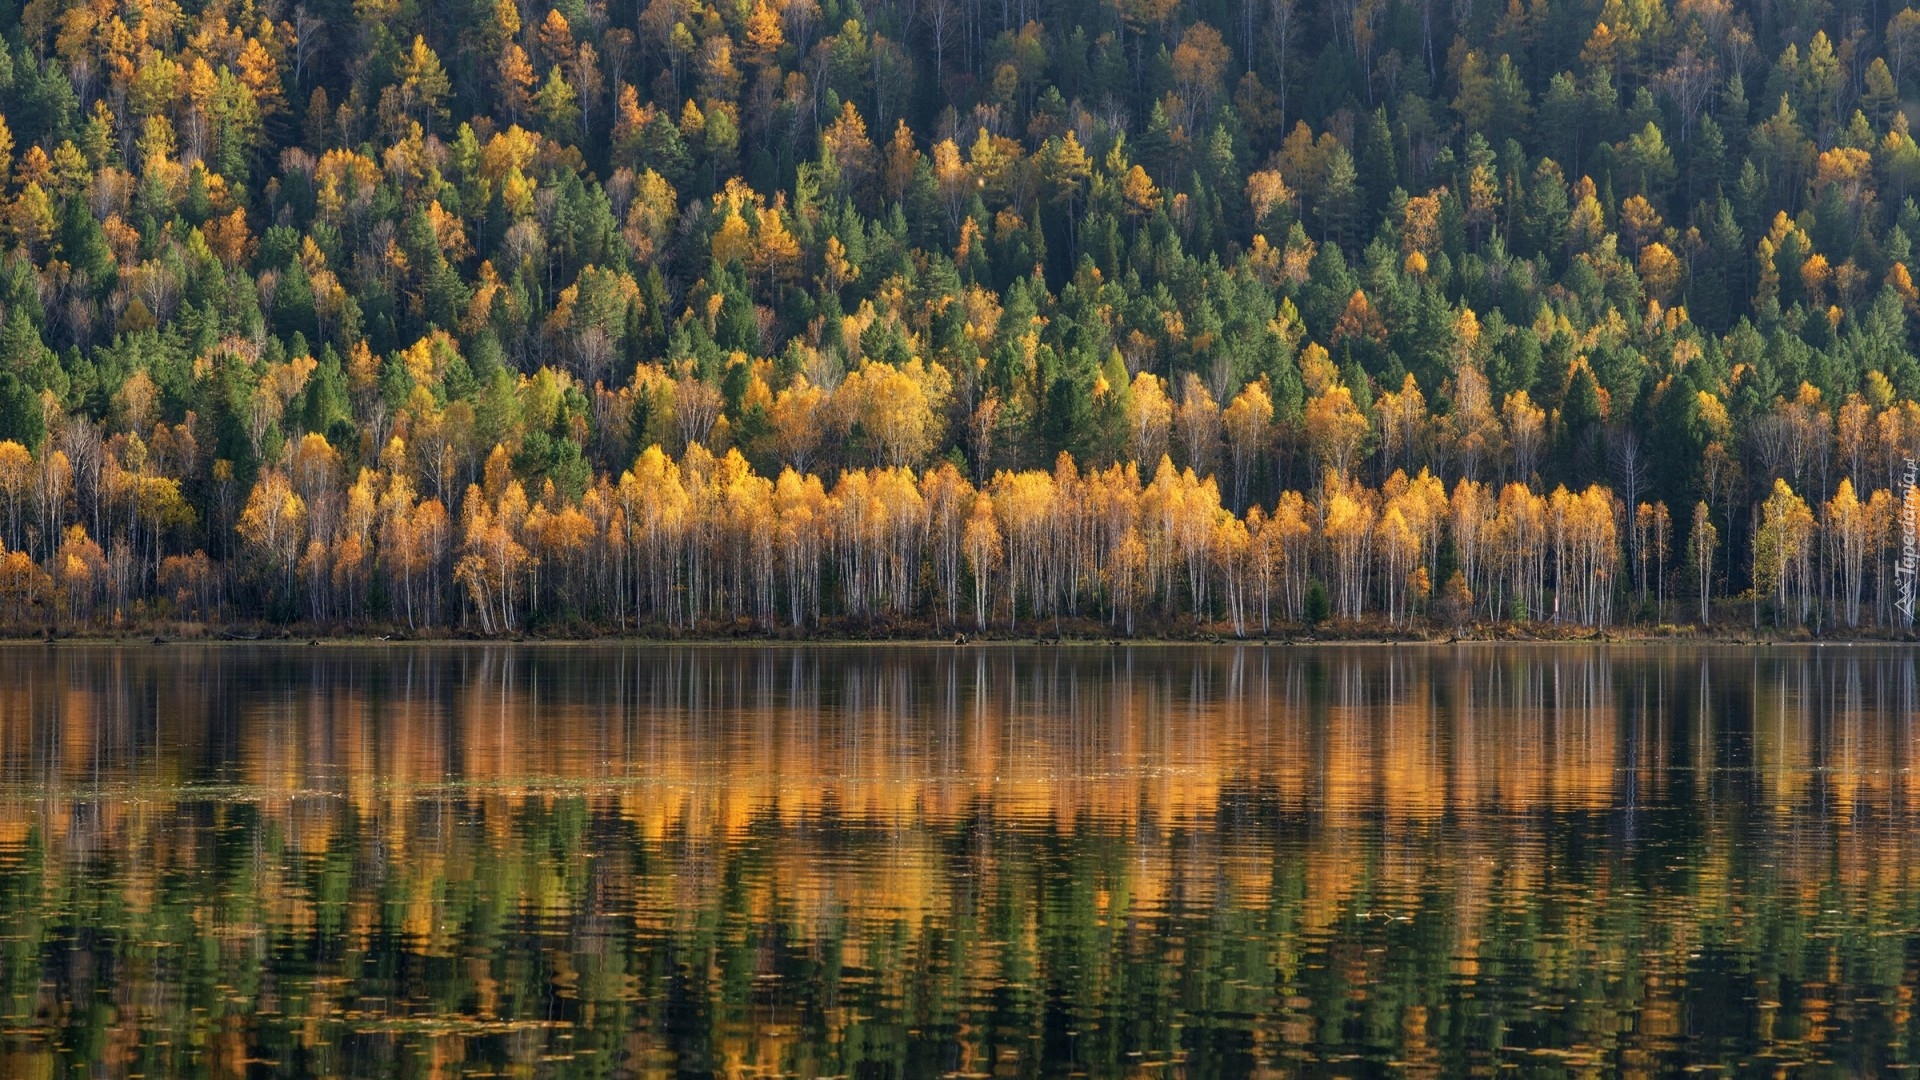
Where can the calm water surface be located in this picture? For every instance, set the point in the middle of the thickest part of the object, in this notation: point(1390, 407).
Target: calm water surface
point(880, 862)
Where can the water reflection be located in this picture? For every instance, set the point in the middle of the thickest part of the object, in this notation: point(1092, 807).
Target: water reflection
point(987, 861)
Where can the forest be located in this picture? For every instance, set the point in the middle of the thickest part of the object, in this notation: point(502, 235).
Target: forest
point(1093, 317)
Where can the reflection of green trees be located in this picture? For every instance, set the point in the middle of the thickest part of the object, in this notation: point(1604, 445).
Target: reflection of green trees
point(1607, 870)
point(568, 947)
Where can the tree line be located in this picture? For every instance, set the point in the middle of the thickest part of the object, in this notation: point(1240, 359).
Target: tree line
point(704, 542)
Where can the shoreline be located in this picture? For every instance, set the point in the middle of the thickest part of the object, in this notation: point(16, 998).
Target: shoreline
point(1348, 637)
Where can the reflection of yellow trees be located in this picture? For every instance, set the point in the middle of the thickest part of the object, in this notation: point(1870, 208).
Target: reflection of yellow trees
point(877, 800)
point(1076, 738)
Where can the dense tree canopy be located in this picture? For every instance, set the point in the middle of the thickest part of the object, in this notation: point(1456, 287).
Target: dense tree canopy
point(494, 314)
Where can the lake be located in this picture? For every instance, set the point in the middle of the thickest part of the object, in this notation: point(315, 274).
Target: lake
point(651, 860)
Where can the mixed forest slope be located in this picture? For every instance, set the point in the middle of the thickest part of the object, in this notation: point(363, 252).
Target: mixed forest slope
point(495, 315)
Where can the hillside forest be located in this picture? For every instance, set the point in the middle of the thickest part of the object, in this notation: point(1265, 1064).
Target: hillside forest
point(1102, 316)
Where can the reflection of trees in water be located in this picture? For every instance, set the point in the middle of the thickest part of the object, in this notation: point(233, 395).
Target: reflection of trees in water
point(810, 859)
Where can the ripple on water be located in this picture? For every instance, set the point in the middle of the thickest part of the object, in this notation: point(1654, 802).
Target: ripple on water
point(996, 861)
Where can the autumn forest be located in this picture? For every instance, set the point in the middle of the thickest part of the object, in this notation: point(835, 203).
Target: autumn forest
point(1092, 317)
